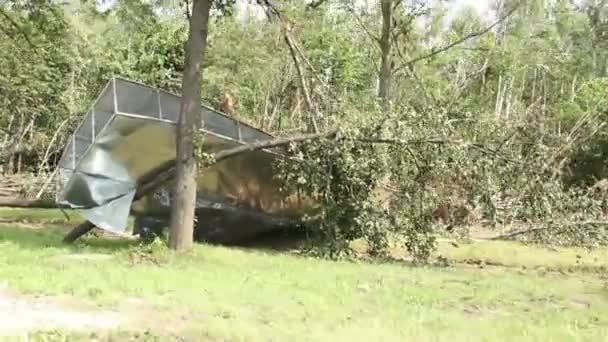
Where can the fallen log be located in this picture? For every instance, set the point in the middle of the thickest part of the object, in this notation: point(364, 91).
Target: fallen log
point(27, 203)
point(156, 178)
point(78, 231)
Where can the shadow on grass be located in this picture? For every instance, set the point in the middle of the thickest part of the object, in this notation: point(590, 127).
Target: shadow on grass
point(40, 235)
point(274, 241)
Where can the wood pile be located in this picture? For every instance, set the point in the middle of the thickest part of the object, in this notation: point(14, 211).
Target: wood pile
point(25, 186)
point(10, 188)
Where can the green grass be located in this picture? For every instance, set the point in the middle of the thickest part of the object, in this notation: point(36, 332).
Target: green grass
point(510, 254)
point(39, 215)
point(217, 293)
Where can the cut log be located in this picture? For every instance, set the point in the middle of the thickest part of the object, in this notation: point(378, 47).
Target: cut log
point(78, 231)
point(27, 203)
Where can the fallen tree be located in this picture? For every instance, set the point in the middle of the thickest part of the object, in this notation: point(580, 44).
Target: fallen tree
point(27, 203)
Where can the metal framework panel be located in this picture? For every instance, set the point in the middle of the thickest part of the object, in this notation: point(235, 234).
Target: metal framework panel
point(130, 131)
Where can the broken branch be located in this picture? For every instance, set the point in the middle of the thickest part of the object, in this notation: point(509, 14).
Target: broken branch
point(272, 12)
point(437, 50)
point(19, 29)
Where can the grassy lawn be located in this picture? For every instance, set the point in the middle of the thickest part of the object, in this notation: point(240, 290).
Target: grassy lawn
point(492, 291)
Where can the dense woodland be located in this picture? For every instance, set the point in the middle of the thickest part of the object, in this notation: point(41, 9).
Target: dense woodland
point(438, 118)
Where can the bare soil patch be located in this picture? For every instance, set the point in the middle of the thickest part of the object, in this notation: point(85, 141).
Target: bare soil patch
point(19, 314)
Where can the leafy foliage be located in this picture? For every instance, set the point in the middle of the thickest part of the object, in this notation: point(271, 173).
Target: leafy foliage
point(340, 173)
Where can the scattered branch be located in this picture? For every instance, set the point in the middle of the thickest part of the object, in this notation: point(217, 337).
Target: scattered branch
point(516, 233)
point(48, 181)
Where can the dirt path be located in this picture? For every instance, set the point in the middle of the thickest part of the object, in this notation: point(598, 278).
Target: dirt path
point(19, 314)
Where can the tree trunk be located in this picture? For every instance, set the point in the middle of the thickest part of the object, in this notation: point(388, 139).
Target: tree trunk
point(184, 199)
point(386, 67)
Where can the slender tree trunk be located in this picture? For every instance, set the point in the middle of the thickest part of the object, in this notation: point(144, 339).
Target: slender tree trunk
point(533, 97)
point(523, 84)
point(312, 109)
point(498, 106)
point(386, 67)
point(184, 200)
point(509, 92)
point(573, 89)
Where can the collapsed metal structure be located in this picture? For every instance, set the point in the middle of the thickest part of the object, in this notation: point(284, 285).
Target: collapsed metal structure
point(129, 132)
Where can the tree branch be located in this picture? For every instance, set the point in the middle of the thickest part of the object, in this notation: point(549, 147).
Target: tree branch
point(187, 9)
point(437, 50)
point(19, 29)
point(373, 37)
point(312, 109)
point(516, 233)
point(315, 4)
point(273, 12)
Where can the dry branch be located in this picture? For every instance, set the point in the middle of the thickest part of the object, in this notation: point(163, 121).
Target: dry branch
point(301, 77)
point(44, 161)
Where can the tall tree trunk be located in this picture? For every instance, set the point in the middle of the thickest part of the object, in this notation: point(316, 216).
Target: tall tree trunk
point(386, 67)
point(184, 201)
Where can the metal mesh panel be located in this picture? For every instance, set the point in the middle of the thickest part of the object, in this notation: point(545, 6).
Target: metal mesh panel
point(250, 135)
point(66, 157)
point(132, 98)
point(103, 110)
point(219, 124)
point(62, 178)
point(127, 134)
point(80, 147)
point(169, 106)
point(93, 122)
point(85, 131)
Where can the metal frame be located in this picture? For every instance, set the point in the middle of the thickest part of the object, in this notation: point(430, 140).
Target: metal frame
point(242, 188)
point(75, 165)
